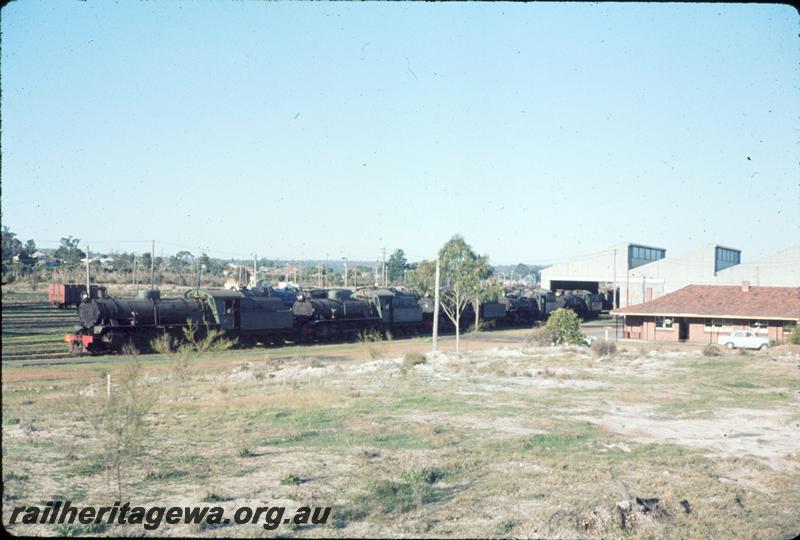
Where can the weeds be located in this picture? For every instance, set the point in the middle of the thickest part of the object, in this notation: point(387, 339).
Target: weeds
point(213, 497)
point(503, 530)
point(373, 339)
point(602, 348)
point(411, 360)
point(197, 342)
point(389, 496)
point(711, 350)
point(69, 530)
point(425, 475)
point(291, 479)
point(542, 336)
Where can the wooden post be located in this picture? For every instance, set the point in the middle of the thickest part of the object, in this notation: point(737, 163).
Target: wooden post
point(108, 385)
point(436, 309)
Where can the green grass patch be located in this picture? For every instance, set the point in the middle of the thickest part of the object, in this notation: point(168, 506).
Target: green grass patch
point(389, 496)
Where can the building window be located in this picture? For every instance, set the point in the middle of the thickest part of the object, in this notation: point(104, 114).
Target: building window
point(717, 325)
point(664, 322)
point(726, 258)
point(759, 327)
point(639, 255)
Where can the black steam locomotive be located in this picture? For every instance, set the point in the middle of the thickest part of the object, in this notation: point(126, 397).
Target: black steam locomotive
point(251, 316)
point(267, 315)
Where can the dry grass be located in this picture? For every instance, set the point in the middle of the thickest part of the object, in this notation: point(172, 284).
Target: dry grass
point(507, 442)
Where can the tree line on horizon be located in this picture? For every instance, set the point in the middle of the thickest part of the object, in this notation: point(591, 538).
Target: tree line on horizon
point(66, 263)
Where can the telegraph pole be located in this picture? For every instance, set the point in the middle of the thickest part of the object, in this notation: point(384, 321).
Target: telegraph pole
point(255, 269)
point(135, 284)
point(436, 308)
point(345, 271)
point(88, 287)
point(153, 265)
point(614, 300)
point(383, 271)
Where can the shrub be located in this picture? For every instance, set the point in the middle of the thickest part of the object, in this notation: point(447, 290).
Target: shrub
point(794, 337)
point(291, 480)
point(213, 497)
point(413, 359)
point(426, 475)
point(711, 350)
point(566, 325)
point(604, 348)
point(542, 336)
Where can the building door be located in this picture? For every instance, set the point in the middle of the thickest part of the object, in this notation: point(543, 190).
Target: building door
point(683, 329)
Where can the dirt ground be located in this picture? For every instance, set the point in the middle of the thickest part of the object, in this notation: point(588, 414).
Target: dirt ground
point(503, 439)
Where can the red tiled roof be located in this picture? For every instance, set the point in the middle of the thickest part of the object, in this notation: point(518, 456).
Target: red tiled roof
point(723, 301)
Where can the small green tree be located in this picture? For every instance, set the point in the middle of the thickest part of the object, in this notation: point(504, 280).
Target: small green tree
point(461, 272)
point(566, 327)
point(120, 419)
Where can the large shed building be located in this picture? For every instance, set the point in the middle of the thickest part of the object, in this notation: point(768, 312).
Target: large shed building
point(640, 272)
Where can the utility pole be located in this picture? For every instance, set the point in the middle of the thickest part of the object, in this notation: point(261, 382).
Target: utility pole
point(153, 265)
point(436, 309)
point(255, 269)
point(88, 286)
point(345, 271)
point(135, 284)
point(383, 273)
point(614, 300)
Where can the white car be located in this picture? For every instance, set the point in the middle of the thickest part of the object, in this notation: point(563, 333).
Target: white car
point(744, 339)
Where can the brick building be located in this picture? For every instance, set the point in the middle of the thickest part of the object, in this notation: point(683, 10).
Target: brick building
point(702, 313)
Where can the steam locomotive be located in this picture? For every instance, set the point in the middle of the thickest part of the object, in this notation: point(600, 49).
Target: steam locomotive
point(266, 315)
point(251, 316)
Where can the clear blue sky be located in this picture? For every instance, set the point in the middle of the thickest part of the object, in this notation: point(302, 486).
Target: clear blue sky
point(538, 132)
